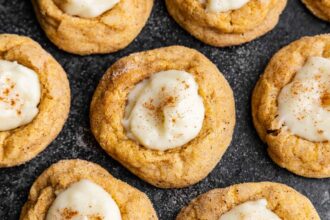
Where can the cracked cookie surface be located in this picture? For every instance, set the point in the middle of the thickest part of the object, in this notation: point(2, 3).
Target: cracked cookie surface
point(109, 32)
point(23, 143)
point(284, 201)
point(181, 166)
point(132, 203)
point(298, 155)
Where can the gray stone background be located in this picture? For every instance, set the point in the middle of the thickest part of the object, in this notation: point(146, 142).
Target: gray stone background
point(246, 158)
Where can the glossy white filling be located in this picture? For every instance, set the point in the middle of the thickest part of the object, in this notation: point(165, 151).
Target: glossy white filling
point(252, 210)
point(84, 200)
point(218, 6)
point(86, 8)
point(164, 111)
point(304, 104)
point(19, 95)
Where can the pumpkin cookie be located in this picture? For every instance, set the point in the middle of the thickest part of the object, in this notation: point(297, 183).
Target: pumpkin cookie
point(264, 200)
point(166, 114)
point(79, 189)
point(88, 27)
point(226, 23)
point(320, 8)
point(291, 107)
point(34, 99)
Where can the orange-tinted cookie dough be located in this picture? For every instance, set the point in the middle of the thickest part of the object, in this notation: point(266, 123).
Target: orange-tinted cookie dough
point(181, 166)
point(23, 143)
point(109, 32)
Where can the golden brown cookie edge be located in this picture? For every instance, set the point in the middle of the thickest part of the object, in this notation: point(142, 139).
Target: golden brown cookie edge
point(224, 40)
point(133, 203)
point(282, 199)
point(15, 138)
point(202, 171)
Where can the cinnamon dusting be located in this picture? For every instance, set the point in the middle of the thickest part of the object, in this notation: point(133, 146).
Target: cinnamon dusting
point(8, 96)
point(157, 110)
point(325, 99)
point(68, 214)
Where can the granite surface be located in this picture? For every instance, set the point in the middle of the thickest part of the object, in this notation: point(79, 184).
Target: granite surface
point(246, 158)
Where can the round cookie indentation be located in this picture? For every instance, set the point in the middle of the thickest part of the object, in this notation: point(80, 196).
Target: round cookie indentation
point(23, 143)
point(19, 95)
point(303, 104)
point(164, 111)
point(298, 155)
point(107, 33)
point(182, 166)
point(84, 200)
point(284, 201)
point(85, 8)
point(235, 27)
point(133, 204)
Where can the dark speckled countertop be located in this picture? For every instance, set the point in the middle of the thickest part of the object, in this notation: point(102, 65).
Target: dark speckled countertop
point(245, 160)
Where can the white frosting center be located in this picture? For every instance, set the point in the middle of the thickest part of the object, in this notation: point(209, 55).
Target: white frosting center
point(218, 6)
point(304, 104)
point(86, 8)
point(164, 111)
point(19, 95)
point(253, 210)
point(84, 200)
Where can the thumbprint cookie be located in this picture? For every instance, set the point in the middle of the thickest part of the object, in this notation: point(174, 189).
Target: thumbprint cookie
point(291, 107)
point(34, 99)
point(167, 115)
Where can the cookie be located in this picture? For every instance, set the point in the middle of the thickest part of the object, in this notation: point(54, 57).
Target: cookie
point(167, 115)
point(226, 23)
point(280, 200)
point(320, 8)
point(86, 27)
point(34, 99)
point(290, 107)
point(86, 181)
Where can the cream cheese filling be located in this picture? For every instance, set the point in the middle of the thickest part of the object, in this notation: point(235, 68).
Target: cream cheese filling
point(86, 8)
point(84, 200)
point(19, 95)
point(304, 104)
point(219, 6)
point(252, 210)
point(164, 111)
